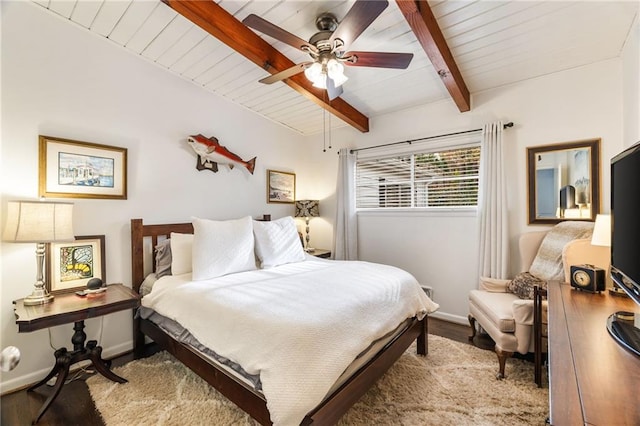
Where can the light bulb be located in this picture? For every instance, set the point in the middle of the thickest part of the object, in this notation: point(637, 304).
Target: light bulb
point(313, 72)
point(321, 81)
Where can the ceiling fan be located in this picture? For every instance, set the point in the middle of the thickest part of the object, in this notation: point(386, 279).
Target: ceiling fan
point(328, 47)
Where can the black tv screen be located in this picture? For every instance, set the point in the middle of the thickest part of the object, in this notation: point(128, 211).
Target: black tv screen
point(625, 220)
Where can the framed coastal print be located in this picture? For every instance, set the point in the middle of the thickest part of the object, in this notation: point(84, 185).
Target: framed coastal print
point(74, 169)
point(71, 265)
point(281, 187)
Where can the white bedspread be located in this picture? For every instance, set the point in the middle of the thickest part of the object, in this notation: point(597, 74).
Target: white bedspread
point(297, 325)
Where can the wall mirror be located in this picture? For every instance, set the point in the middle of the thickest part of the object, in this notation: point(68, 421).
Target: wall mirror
point(564, 181)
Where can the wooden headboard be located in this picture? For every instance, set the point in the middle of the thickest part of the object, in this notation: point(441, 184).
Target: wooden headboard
point(139, 232)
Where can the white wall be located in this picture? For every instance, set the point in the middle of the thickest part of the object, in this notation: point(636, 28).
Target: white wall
point(441, 250)
point(60, 80)
point(631, 85)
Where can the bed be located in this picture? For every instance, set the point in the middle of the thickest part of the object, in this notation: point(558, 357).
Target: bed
point(352, 384)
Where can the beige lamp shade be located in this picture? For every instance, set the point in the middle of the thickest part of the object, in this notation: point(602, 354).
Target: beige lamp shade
point(38, 222)
point(602, 231)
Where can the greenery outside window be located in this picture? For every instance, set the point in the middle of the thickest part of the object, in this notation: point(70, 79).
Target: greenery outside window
point(426, 180)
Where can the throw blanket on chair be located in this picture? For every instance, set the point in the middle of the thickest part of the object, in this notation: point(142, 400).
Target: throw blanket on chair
point(547, 264)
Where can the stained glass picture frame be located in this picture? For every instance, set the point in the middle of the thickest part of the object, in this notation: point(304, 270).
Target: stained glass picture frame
point(71, 265)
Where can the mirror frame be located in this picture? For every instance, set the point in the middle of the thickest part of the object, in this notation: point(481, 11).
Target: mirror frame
point(533, 152)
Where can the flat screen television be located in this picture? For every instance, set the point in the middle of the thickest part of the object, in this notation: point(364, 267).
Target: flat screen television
point(625, 242)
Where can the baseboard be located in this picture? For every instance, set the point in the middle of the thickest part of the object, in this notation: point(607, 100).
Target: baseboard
point(26, 380)
point(450, 317)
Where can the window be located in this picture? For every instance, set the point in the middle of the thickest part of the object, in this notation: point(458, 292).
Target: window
point(446, 178)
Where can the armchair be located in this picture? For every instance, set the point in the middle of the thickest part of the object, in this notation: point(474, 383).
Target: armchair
point(506, 317)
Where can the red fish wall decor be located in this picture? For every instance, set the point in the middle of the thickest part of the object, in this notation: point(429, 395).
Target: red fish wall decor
point(211, 153)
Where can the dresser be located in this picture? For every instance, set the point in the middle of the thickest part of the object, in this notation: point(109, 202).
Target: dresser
point(592, 379)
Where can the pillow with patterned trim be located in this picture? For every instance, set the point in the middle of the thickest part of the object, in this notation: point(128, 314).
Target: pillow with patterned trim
point(522, 285)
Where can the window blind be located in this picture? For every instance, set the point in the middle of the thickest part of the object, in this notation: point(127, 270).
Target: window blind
point(430, 179)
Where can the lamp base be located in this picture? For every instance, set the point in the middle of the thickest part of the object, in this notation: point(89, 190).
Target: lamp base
point(38, 297)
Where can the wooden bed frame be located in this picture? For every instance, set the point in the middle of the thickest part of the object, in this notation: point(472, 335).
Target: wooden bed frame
point(253, 403)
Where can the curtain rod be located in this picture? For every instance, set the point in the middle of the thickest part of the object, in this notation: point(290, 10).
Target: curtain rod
point(509, 124)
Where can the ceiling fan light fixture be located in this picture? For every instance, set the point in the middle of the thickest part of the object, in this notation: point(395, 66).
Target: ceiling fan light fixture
point(313, 72)
point(321, 82)
point(335, 70)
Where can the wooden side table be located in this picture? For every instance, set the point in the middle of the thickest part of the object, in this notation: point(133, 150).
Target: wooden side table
point(69, 308)
point(324, 254)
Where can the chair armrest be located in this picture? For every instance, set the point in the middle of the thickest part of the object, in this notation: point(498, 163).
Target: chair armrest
point(523, 311)
point(493, 285)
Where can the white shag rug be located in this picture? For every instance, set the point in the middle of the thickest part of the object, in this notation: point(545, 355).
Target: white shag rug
point(454, 384)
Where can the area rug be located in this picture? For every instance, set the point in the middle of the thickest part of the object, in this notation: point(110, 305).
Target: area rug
point(454, 384)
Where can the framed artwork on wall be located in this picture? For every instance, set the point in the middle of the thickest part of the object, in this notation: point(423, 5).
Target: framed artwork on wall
point(281, 187)
point(71, 265)
point(75, 169)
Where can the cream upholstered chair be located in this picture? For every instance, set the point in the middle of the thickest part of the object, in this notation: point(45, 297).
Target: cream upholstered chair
point(507, 318)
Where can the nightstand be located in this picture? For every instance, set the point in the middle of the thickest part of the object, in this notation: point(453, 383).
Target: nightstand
point(67, 308)
point(325, 254)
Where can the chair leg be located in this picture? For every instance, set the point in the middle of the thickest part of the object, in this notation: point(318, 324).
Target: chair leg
point(502, 360)
point(472, 322)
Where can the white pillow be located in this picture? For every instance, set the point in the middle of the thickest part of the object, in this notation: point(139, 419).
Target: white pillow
point(277, 242)
point(222, 247)
point(181, 253)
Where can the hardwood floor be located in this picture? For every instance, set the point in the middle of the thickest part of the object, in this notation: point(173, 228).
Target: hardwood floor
point(74, 405)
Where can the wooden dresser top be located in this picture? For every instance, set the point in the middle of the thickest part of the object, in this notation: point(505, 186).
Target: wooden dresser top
point(593, 380)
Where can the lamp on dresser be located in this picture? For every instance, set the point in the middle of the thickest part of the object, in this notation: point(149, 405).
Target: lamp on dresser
point(307, 209)
point(602, 237)
point(41, 223)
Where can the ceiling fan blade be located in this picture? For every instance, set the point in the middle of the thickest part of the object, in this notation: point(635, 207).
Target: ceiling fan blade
point(283, 75)
point(378, 59)
point(359, 17)
point(266, 27)
point(332, 90)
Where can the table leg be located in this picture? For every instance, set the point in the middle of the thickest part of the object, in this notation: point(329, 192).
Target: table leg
point(65, 359)
point(56, 368)
point(102, 367)
point(62, 364)
point(79, 336)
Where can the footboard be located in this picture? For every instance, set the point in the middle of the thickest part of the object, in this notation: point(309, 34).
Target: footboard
point(254, 404)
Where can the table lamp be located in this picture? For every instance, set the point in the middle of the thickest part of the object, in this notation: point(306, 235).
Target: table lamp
point(38, 222)
point(602, 237)
point(307, 209)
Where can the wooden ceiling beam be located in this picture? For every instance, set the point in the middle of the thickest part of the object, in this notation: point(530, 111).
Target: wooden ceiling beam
point(226, 28)
point(424, 25)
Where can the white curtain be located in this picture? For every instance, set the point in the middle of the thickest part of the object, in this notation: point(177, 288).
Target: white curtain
point(492, 205)
point(346, 228)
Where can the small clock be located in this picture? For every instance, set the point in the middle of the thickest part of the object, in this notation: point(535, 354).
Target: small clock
point(588, 278)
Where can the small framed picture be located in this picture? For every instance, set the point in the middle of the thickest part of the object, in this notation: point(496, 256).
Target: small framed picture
point(71, 265)
point(74, 169)
point(281, 187)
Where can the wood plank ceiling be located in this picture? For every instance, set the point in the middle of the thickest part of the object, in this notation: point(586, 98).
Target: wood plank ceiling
point(494, 43)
